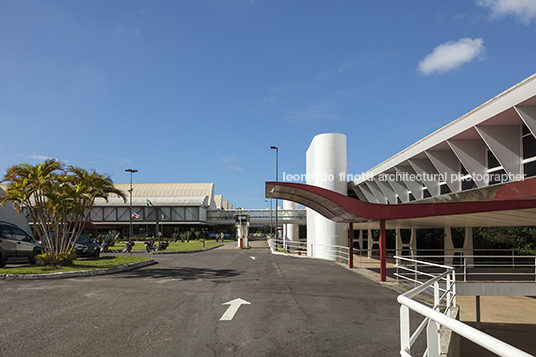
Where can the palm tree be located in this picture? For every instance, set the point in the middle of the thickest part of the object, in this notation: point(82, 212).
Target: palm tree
point(28, 188)
point(58, 199)
point(83, 187)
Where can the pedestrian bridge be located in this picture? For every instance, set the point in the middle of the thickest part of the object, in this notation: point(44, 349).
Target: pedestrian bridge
point(259, 216)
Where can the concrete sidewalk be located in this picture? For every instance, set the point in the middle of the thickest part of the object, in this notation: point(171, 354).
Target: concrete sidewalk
point(511, 319)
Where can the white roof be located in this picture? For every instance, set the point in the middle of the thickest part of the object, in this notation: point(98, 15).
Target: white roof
point(522, 93)
point(169, 194)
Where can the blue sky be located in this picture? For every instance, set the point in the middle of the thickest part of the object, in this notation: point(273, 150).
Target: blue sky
point(198, 90)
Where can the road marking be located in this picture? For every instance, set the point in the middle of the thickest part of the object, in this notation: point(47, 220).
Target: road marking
point(233, 308)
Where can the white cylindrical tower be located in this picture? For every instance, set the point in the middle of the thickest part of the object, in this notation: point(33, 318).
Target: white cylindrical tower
point(326, 168)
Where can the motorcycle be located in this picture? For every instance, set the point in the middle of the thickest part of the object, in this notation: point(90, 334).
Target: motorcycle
point(162, 246)
point(104, 247)
point(128, 247)
point(149, 245)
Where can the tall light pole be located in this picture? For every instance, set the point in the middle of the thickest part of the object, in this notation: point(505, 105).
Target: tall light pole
point(276, 178)
point(130, 191)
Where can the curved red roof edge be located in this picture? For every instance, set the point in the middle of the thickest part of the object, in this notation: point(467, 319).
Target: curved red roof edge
point(341, 208)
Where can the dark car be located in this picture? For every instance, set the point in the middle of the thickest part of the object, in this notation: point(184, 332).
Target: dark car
point(84, 246)
point(17, 246)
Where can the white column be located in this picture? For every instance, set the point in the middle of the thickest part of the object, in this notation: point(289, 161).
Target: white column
point(449, 247)
point(412, 245)
point(468, 246)
point(326, 168)
point(291, 231)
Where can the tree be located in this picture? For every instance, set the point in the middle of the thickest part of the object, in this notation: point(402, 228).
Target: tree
point(58, 200)
point(519, 238)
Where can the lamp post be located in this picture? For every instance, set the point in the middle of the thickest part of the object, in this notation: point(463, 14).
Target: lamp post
point(276, 176)
point(130, 191)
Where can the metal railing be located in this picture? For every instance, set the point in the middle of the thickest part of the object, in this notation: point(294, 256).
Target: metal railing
point(444, 299)
point(337, 253)
point(487, 267)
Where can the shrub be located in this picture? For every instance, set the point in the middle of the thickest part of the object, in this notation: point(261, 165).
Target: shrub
point(61, 259)
point(110, 237)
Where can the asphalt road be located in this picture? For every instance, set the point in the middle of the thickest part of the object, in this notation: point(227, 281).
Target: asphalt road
point(298, 307)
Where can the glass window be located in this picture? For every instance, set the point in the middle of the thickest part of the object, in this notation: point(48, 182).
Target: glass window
point(445, 189)
point(426, 193)
point(492, 160)
point(529, 146)
point(498, 176)
point(525, 130)
point(530, 169)
point(19, 234)
point(5, 232)
point(468, 184)
point(83, 240)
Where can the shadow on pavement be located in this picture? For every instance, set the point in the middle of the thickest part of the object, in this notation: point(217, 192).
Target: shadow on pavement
point(184, 273)
point(518, 335)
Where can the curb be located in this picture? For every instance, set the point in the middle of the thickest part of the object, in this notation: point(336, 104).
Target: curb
point(75, 274)
point(188, 251)
point(164, 252)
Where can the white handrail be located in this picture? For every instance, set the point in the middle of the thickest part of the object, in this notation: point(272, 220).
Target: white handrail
point(434, 319)
point(480, 338)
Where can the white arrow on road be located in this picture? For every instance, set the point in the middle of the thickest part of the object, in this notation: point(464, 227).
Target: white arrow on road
point(233, 308)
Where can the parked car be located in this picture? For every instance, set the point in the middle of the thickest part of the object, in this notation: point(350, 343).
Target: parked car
point(84, 246)
point(17, 246)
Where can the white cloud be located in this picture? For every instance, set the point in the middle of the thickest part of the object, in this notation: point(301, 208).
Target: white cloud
point(316, 112)
point(452, 55)
point(231, 168)
point(523, 10)
point(228, 159)
point(42, 157)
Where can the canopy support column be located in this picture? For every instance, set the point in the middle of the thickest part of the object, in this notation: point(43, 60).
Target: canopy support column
point(351, 245)
point(383, 264)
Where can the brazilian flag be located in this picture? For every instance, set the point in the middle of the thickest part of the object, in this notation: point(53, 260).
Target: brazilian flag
point(149, 204)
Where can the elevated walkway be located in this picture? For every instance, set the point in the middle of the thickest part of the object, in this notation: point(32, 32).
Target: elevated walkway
point(259, 216)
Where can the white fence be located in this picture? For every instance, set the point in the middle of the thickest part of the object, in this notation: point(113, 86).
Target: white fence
point(444, 299)
point(486, 267)
point(337, 253)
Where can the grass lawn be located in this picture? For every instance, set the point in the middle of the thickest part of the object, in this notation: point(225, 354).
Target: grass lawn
point(173, 247)
point(78, 265)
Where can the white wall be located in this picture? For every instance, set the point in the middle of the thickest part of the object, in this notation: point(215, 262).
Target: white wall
point(8, 214)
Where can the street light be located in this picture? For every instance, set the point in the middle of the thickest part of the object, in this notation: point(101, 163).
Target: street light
point(130, 191)
point(276, 176)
